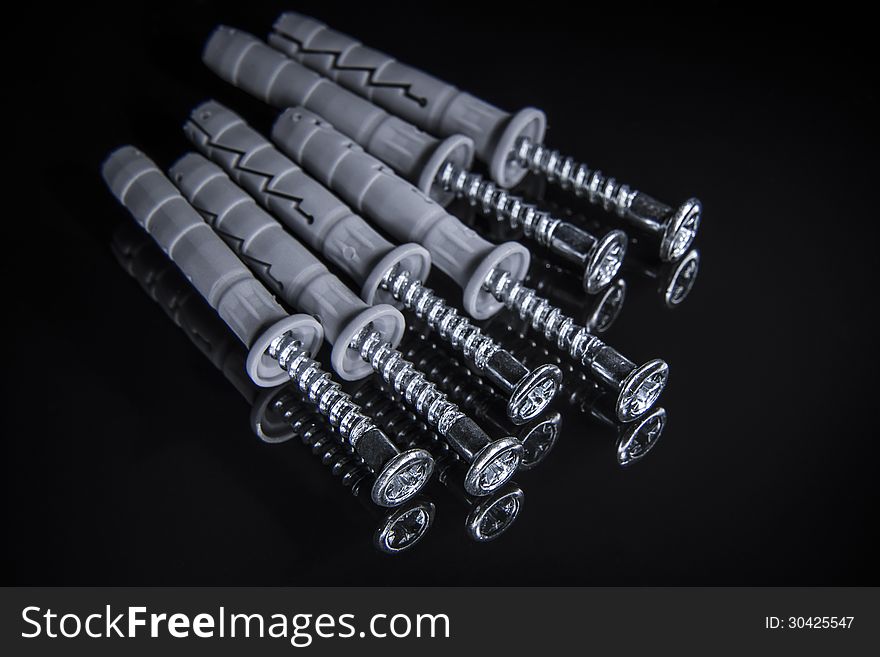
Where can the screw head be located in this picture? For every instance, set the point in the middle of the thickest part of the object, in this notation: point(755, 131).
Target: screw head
point(605, 261)
point(640, 437)
point(538, 439)
point(534, 393)
point(681, 230)
point(682, 278)
point(402, 477)
point(641, 389)
point(493, 516)
point(493, 466)
point(404, 527)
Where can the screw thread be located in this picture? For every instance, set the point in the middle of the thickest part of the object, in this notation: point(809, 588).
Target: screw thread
point(555, 325)
point(476, 190)
point(578, 177)
point(456, 380)
point(320, 438)
point(442, 318)
point(407, 381)
point(320, 389)
point(400, 424)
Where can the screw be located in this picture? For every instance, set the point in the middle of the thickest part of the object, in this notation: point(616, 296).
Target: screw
point(675, 229)
point(675, 278)
point(399, 529)
point(637, 387)
point(492, 463)
point(634, 439)
point(537, 437)
point(399, 476)
point(599, 258)
point(488, 516)
point(529, 391)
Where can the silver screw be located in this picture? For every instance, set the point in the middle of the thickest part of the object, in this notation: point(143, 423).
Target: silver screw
point(492, 463)
point(399, 475)
point(397, 530)
point(598, 258)
point(529, 391)
point(675, 228)
point(634, 439)
point(488, 517)
point(537, 437)
point(637, 387)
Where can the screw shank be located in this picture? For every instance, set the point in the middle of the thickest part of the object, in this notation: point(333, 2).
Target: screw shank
point(571, 243)
point(648, 214)
point(376, 449)
point(466, 438)
point(505, 370)
point(610, 366)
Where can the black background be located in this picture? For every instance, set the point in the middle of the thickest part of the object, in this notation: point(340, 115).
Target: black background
point(129, 459)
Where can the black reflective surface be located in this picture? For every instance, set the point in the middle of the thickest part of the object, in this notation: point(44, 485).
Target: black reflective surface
point(130, 459)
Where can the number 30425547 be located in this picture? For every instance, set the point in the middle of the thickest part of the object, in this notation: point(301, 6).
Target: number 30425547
point(820, 622)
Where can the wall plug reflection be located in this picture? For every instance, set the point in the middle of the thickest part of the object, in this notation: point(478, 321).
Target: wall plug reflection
point(277, 414)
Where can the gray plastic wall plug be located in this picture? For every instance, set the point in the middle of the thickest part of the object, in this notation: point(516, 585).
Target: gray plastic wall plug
point(511, 145)
point(422, 99)
point(247, 62)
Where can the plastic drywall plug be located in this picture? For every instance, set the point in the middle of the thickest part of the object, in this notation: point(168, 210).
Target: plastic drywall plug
point(250, 64)
point(511, 145)
point(364, 337)
point(247, 62)
point(280, 345)
point(313, 213)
